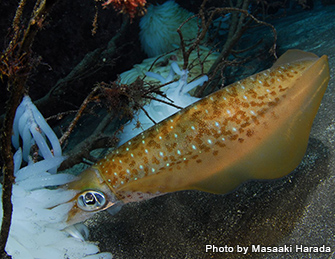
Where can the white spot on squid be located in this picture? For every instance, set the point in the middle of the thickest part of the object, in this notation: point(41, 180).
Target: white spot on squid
point(209, 141)
point(192, 127)
point(176, 135)
point(161, 154)
point(141, 167)
point(194, 147)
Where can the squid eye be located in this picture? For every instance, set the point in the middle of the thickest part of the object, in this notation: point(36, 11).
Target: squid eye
point(91, 200)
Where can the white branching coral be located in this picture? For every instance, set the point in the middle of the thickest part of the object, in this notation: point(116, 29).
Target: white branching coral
point(39, 228)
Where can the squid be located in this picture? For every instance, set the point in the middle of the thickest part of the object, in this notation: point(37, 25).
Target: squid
point(256, 128)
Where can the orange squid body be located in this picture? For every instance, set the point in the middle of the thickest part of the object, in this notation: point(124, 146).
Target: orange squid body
point(256, 128)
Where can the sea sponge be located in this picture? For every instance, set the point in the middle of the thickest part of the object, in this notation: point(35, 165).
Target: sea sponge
point(159, 28)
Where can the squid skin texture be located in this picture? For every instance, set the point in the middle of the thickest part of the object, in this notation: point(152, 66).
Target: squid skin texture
point(256, 128)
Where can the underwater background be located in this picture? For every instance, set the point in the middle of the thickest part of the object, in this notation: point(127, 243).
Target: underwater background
point(298, 209)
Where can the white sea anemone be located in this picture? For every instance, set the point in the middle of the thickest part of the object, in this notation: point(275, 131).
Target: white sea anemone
point(162, 66)
point(39, 228)
point(158, 111)
point(159, 28)
point(166, 69)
